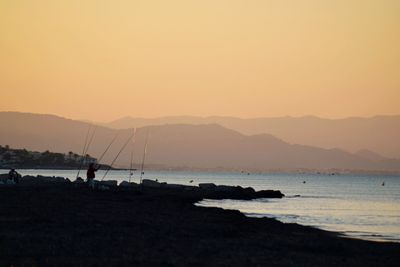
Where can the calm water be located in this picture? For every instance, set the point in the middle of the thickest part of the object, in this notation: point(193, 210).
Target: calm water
point(355, 205)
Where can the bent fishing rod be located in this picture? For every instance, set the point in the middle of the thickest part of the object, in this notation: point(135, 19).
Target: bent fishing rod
point(122, 148)
point(108, 147)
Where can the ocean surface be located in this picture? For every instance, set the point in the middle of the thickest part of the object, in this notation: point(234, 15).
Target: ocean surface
point(359, 206)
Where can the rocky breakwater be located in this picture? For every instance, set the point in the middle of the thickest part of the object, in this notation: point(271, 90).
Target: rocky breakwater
point(30, 180)
point(211, 190)
point(202, 191)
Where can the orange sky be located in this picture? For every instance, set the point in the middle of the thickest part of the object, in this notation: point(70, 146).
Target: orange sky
point(101, 60)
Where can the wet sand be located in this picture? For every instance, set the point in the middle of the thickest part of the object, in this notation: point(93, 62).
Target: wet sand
point(75, 226)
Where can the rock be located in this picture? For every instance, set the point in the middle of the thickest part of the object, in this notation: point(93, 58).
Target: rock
point(124, 183)
point(27, 179)
point(190, 188)
point(249, 190)
point(227, 188)
point(109, 183)
point(150, 183)
point(4, 177)
point(269, 194)
point(10, 182)
point(174, 186)
point(127, 184)
point(92, 183)
point(41, 180)
point(79, 180)
point(103, 187)
point(207, 186)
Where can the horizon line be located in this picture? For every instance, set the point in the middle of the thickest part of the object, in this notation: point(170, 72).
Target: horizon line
point(205, 117)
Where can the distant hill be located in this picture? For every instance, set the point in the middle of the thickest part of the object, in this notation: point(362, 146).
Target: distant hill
point(190, 146)
point(379, 134)
point(367, 154)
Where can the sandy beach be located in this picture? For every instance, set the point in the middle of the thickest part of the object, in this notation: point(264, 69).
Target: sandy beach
point(67, 225)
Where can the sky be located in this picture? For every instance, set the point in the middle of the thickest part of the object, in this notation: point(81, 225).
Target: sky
point(101, 60)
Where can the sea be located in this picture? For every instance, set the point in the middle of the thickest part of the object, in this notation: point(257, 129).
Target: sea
point(365, 206)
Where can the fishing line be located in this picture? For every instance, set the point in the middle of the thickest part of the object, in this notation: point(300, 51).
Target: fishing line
point(91, 139)
point(122, 148)
point(108, 147)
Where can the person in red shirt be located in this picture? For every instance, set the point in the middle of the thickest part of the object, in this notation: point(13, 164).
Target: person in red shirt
point(90, 174)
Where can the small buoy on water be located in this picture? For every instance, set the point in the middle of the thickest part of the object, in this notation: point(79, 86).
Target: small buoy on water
point(304, 182)
point(383, 184)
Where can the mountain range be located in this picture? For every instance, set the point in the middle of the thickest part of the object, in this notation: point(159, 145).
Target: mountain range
point(208, 146)
point(379, 134)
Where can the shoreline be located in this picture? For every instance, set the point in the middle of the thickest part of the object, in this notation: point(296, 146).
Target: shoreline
point(332, 172)
point(70, 224)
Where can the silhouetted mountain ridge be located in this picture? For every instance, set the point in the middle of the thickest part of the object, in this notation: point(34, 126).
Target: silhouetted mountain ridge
point(378, 133)
point(180, 145)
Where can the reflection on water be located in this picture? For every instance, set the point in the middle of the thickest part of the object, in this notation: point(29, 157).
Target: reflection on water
point(356, 205)
point(368, 219)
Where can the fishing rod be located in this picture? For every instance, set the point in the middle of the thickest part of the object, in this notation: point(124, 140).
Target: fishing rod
point(122, 148)
point(144, 156)
point(133, 146)
point(108, 147)
point(88, 145)
point(84, 149)
point(90, 141)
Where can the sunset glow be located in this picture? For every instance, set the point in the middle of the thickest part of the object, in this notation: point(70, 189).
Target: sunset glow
point(101, 60)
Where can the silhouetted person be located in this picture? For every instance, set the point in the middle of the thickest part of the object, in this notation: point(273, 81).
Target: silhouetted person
point(90, 174)
point(14, 176)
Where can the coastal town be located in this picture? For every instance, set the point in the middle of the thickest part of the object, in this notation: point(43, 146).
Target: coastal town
point(24, 159)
